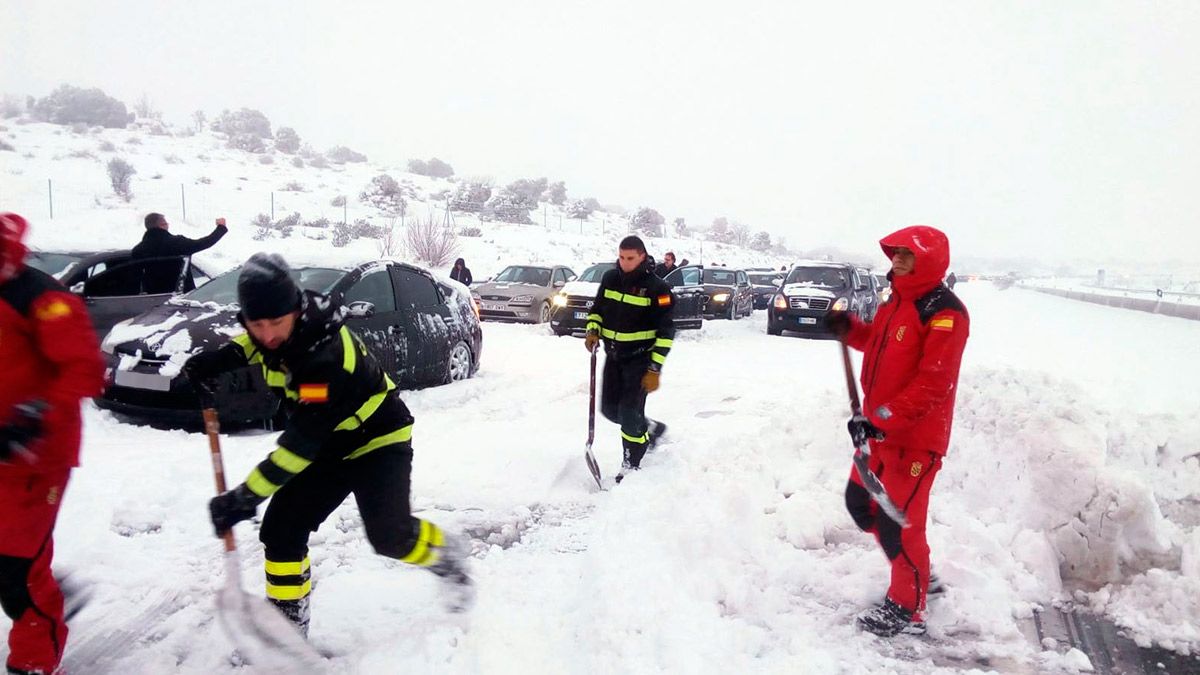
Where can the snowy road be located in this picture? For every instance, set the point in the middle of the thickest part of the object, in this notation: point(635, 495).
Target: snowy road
point(731, 551)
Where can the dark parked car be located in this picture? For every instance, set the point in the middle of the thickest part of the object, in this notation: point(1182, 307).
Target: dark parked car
point(811, 289)
point(764, 283)
point(574, 302)
point(110, 284)
point(521, 293)
point(424, 331)
point(727, 292)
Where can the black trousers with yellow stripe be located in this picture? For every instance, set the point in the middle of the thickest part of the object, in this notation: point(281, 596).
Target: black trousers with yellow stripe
point(623, 401)
point(379, 481)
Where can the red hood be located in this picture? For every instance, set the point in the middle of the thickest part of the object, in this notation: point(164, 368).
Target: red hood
point(931, 249)
point(12, 250)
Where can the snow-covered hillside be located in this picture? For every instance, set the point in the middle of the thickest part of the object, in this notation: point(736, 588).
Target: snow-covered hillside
point(200, 175)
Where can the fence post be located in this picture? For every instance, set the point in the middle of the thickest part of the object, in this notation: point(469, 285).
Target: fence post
point(272, 206)
point(344, 211)
point(183, 201)
point(50, 191)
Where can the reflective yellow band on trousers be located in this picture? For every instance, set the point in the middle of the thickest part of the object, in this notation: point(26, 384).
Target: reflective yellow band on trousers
point(421, 554)
point(663, 342)
point(286, 569)
point(289, 592)
point(635, 439)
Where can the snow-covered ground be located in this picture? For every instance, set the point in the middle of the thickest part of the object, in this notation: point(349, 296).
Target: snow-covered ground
point(1072, 475)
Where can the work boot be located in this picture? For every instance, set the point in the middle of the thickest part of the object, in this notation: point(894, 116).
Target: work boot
point(890, 619)
point(656, 433)
point(451, 568)
point(296, 611)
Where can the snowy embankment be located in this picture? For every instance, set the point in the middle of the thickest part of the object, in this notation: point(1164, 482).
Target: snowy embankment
point(1072, 475)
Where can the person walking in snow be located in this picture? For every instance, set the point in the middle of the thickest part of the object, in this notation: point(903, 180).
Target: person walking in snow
point(632, 315)
point(52, 361)
point(461, 273)
point(158, 242)
point(347, 432)
point(911, 357)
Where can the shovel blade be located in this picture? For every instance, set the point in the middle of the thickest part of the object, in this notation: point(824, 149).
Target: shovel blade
point(262, 635)
point(593, 467)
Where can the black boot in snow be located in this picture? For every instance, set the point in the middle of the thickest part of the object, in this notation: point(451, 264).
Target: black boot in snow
point(296, 611)
point(656, 433)
point(936, 587)
point(890, 619)
point(626, 468)
point(451, 568)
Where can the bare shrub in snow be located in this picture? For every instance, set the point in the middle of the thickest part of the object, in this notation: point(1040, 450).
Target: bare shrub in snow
point(761, 241)
point(341, 235)
point(247, 143)
point(472, 195)
point(293, 186)
point(266, 159)
point(204, 180)
point(431, 242)
point(579, 209)
point(318, 162)
point(647, 221)
point(297, 162)
point(470, 231)
point(107, 146)
point(341, 155)
point(120, 173)
point(389, 240)
point(339, 200)
point(320, 223)
point(134, 140)
point(385, 194)
point(172, 159)
point(244, 121)
point(507, 207)
point(7, 147)
point(81, 154)
point(287, 140)
point(434, 168)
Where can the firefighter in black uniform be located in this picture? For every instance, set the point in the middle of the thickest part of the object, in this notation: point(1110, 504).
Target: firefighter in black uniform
point(347, 432)
point(632, 313)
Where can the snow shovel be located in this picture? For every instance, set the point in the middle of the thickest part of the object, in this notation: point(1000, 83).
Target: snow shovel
point(587, 452)
point(260, 632)
point(863, 451)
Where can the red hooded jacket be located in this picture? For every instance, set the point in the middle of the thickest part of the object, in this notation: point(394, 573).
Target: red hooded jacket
point(48, 350)
point(913, 349)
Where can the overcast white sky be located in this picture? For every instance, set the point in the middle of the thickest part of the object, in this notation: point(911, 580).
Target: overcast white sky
point(1057, 130)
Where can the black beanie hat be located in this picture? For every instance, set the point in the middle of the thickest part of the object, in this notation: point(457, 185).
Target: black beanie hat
point(266, 289)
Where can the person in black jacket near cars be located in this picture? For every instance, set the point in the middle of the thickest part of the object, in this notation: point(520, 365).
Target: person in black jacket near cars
point(632, 314)
point(461, 273)
point(347, 432)
point(158, 242)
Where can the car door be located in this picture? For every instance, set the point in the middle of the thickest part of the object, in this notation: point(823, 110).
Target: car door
point(745, 293)
point(116, 293)
point(687, 294)
point(862, 292)
point(426, 321)
point(374, 317)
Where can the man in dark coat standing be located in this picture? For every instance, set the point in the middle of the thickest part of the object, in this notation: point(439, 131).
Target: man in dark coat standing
point(461, 273)
point(158, 242)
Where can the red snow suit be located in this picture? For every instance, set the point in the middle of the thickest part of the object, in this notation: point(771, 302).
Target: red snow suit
point(48, 351)
point(911, 357)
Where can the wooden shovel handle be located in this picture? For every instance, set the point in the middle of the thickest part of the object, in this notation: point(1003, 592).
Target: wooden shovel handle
point(212, 427)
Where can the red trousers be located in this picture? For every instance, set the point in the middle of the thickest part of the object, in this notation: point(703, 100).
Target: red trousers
point(907, 475)
point(29, 503)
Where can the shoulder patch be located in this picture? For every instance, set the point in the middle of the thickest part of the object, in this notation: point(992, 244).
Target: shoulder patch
point(55, 309)
point(938, 300)
point(314, 393)
point(664, 300)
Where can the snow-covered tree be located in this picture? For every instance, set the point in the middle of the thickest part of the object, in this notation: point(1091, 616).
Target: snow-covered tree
point(287, 141)
point(556, 193)
point(647, 221)
point(385, 194)
point(471, 195)
point(579, 209)
point(244, 121)
point(761, 241)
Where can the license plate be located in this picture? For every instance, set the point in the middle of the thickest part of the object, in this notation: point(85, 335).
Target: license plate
point(143, 381)
point(808, 320)
point(580, 315)
point(495, 306)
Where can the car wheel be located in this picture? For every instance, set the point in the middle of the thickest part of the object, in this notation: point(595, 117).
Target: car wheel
point(773, 329)
point(732, 314)
point(544, 314)
point(458, 366)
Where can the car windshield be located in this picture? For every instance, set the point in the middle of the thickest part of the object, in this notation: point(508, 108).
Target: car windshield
point(54, 264)
point(822, 277)
point(223, 289)
point(596, 272)
point(538, 276)
point(764, 279)
point(722, 277)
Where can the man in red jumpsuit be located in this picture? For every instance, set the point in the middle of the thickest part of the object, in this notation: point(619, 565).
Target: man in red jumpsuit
point(911, 356)
point(51, 360)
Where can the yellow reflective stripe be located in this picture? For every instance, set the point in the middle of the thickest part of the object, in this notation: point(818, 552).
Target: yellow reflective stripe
point(627, 299)
point(349, 354)
point(289, 592)
point(289, 461)
point(248, 347)
point(286, 569)
point(421, 554)
point(275, 378)
point(364, 411)
point(628, 337)
point(657, 358)
point(259, 485)
point(663, 342)
point(595, 317)
point(397, 436)
point(635, 439)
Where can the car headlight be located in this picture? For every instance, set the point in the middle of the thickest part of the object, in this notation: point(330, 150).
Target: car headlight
point(781, 301)
point(720, 297)
point(841, 305)
point(521, 300)
point(113, 338)
point(560, 300)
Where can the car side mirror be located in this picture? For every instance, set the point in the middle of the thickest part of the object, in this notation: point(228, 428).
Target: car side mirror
point(560, 284)
point(77, 289)
point(360, 309)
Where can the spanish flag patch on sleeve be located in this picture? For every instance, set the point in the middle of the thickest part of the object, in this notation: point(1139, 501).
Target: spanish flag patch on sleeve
point(945, 323)
point(314, 393)
point(664, 300)
point(55, 309)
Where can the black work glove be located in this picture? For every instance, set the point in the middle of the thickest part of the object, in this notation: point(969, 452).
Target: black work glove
point(232, 507)
point(201, 370)
point(861, 430)
point(838, 323)
point(22, 431)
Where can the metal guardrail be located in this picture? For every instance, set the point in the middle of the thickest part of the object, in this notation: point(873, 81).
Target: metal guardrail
point(1150, 305)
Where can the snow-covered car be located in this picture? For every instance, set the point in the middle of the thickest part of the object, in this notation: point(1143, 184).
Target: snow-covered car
point(812, 289)
point(422, 329)
point(521, 293)
point(111, 284)
point(572, 304)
